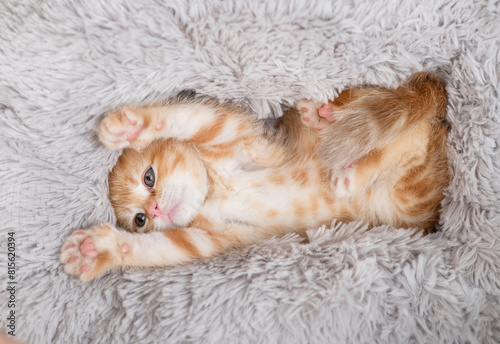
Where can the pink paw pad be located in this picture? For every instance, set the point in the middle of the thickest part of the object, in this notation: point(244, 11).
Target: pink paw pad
point(326, 111)
point(343, 181)
point(87, 248)
point(125, 248)
point(134, 134)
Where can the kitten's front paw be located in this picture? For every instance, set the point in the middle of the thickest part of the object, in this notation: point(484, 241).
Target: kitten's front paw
point(88, 253)
point(122, 128)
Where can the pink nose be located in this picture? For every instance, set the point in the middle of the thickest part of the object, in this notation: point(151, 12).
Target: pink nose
point(153, 210)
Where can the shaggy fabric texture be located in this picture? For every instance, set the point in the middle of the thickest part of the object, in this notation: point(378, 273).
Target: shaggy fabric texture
point(64, 64)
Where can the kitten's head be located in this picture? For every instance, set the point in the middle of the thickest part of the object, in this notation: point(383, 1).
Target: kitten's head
point(159, 188)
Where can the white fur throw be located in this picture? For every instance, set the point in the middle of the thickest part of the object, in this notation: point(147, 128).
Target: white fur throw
point(63, 64)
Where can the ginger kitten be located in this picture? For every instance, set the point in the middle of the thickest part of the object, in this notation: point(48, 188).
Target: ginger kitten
point(197, 178)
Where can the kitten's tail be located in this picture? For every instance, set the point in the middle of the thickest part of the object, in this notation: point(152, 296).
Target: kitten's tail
point(375, 116)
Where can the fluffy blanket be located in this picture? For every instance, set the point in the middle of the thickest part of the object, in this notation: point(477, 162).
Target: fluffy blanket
point(63, 64)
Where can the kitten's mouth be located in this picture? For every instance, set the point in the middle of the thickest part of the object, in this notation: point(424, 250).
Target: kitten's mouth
point(163, 214)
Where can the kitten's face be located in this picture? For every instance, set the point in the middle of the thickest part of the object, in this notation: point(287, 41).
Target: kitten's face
point(159, 188)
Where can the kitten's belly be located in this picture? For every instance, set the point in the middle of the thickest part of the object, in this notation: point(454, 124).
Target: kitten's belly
point(277, 201)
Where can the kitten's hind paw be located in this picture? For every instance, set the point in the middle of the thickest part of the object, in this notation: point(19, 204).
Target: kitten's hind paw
point(88, 253)
point(344, 181)
point(327, 111)
point(121, 129)
point(312, 114)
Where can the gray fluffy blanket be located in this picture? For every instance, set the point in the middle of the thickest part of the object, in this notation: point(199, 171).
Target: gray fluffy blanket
point(63, 64)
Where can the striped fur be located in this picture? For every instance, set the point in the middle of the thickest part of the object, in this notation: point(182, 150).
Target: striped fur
point(222, 181)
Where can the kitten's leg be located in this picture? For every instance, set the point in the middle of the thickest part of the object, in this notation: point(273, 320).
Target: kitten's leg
point(205, 124)
point(384, 165)
point(402, 184)
point(419, 180)
point(372, 117)
point(88, 253)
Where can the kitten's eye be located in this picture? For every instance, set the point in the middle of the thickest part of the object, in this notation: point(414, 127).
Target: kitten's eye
point(140, 220)
point(149, 177)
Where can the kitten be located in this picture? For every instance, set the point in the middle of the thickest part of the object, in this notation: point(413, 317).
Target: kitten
point(197, 178)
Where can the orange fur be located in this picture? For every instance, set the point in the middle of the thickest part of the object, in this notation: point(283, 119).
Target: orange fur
point(180, 238)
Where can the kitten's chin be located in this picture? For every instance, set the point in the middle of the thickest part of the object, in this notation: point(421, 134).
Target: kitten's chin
point(164, 224)
point(174, 220)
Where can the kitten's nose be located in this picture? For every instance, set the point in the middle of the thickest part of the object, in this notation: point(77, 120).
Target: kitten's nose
point(153, 210)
